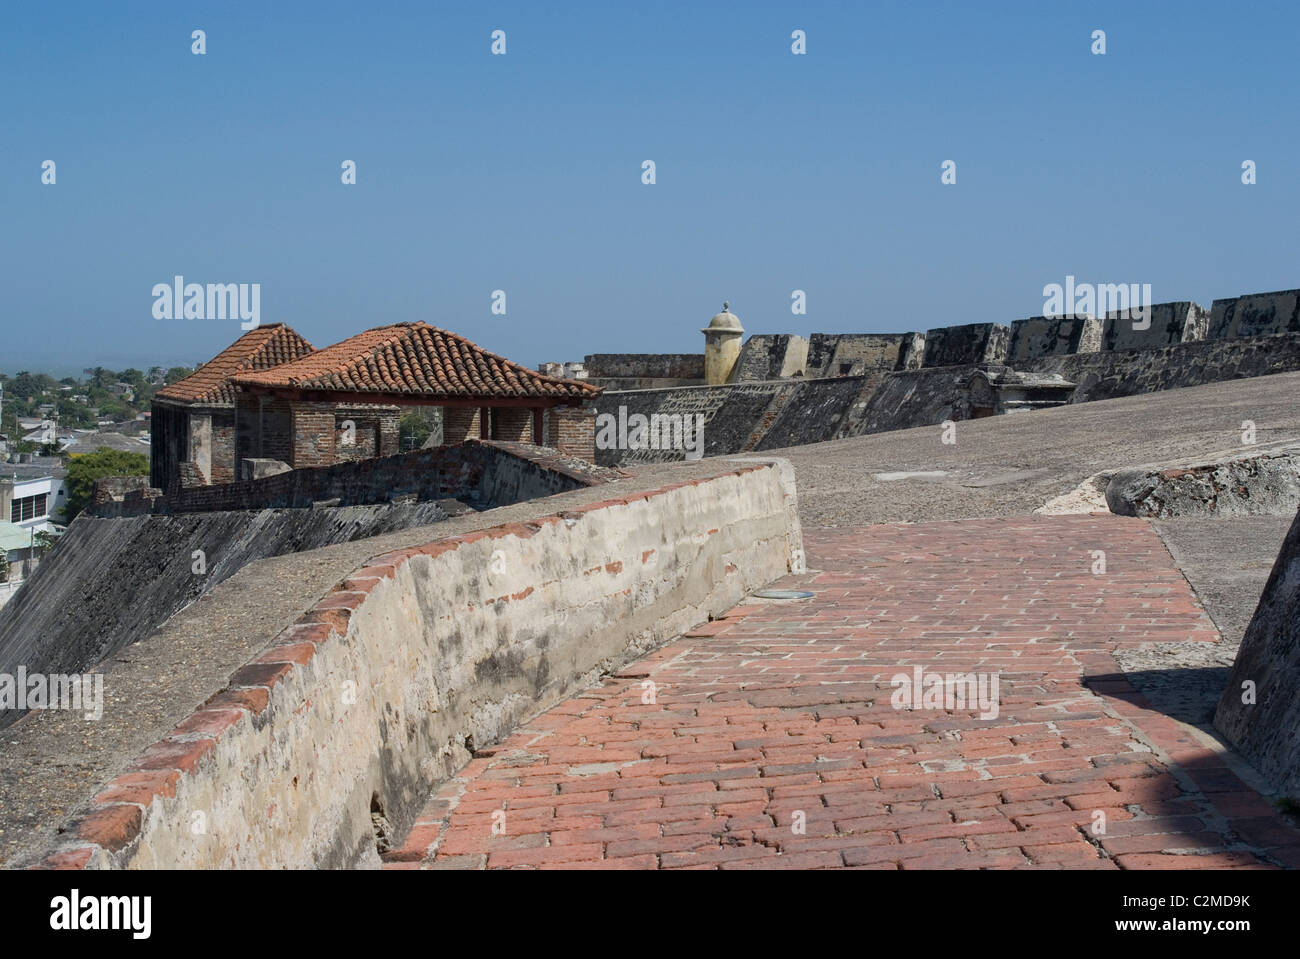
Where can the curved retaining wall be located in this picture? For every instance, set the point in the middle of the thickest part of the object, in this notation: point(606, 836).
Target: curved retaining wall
point(389, 683)
point(1262, 719)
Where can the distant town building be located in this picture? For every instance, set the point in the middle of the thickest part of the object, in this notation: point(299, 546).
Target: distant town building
point(46, 432)
point(88, 442)
point(32, 492)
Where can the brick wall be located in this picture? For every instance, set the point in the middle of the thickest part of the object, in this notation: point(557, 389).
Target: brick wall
point(571, 430)
point(512, 424)
point(487, 473)
point(459, 423)
point(263, 428)
point(188, 475)
point(306, 434)
point(223, 446)
point(313, 437)
point(108, 489)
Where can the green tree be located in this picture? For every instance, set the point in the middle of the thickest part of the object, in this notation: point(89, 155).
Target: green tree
point(111, 408)
point(75, 415)
point(135, 378)
point(24, 386)
point(84, 469)
point(412, 430)
point(177, 373)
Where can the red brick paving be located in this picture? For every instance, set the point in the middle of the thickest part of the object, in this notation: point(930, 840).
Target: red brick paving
point(783, 715)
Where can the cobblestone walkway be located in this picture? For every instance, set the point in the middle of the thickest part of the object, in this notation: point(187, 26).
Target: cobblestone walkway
point(772, 741)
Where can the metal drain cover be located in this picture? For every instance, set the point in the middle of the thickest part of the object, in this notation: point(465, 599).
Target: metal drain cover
point(782, 594)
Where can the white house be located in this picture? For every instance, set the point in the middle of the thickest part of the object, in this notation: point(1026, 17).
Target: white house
point(47, 432)
point(33, 495)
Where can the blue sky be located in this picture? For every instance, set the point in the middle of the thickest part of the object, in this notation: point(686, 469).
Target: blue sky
point(522, 172)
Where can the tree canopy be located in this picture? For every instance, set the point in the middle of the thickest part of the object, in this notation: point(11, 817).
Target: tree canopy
point(85, 468)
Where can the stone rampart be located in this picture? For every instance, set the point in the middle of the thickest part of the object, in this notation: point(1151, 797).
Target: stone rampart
point(331, 739)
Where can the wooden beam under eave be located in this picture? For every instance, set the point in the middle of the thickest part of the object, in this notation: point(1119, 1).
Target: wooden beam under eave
point(350, 397)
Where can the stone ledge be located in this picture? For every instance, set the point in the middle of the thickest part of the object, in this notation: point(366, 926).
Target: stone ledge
point(265, 716)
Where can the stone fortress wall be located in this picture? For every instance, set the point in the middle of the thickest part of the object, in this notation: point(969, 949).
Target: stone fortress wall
point(115, 576)
point(786, 390)
point(456, 634)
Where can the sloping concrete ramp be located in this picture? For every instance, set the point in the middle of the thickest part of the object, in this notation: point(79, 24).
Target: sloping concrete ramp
point(1260, 709)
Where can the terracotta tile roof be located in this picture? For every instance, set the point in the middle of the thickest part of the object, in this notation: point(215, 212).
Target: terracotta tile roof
point(263, 348)
point(419, 359)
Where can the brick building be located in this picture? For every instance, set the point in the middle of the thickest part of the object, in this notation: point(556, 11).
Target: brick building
point(340, 403)
point(193, 420)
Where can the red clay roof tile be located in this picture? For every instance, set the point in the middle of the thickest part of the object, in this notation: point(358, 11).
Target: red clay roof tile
point(414, 359)
point(259, 349)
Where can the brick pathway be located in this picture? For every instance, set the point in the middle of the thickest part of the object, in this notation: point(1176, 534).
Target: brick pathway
point(780, 714)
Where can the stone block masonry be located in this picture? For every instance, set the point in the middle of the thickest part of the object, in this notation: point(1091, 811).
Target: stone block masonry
point(849, 354)
point(644, 371)
point(732, 413)
point(447, 645)
point(775, 414)
point(1170, 324)
point(770, 357)
point(820, 410)
point(476, 472)
point(1051, 336)
point(1255, 314)
point(1107, 375)
point(114, 489)
point(1258, 481)
point(681, 366)
point(109, 583)
point(967, 345)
